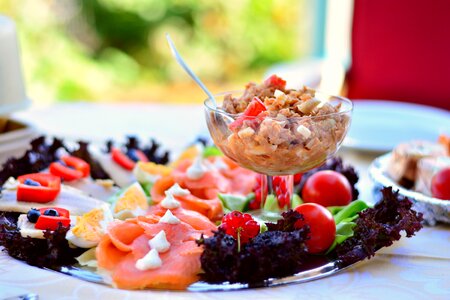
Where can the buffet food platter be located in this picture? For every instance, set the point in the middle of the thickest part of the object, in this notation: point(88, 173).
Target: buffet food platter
point(218, 216)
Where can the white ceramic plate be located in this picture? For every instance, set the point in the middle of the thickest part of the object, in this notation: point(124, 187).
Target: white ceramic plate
point(434, 210)
point(379, 126)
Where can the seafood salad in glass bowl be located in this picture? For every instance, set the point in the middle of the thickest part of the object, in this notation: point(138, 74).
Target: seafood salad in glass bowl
point(276, 131)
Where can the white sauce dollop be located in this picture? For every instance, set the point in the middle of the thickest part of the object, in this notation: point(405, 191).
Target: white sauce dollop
point(159, 242)
point(169, 218)
point(197, 169)
point(176, 190)
point(150, 261)
point(170, 202)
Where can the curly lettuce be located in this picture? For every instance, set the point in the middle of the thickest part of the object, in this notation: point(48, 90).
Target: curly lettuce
point(379, 227)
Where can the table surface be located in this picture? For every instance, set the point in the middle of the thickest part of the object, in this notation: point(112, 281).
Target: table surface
point(414, 268)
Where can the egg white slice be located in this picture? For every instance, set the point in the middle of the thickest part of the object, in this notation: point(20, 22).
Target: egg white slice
point(83, 237)
point(98, 189)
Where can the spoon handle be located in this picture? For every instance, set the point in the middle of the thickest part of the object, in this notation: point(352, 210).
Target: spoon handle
point(188, 70)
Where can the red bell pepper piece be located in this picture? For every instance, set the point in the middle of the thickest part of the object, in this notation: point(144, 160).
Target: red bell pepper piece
point(122, 159)
point(45, 222)
point(72, 168)
point(47, 189)
point(253, 109)
point(137, 155)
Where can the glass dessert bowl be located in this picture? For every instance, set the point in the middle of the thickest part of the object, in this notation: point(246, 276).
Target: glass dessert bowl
point(287, 133)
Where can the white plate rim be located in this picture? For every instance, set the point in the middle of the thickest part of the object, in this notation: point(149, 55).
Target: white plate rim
point(352, 143)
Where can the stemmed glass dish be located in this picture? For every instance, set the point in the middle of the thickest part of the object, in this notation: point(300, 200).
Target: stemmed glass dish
point(280, 147)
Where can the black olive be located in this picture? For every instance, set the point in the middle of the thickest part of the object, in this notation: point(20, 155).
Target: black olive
point(31, 182)
point(33, 215)
point(51, 212)
point(132, 155)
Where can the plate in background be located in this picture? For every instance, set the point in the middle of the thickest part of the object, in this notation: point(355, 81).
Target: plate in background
point(378, 126)
point(434, 210)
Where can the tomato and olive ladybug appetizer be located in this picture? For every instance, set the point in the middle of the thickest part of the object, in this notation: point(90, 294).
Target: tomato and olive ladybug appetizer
point(70, 168)
point(128, 160)
point(38, 187)
point(49, 218)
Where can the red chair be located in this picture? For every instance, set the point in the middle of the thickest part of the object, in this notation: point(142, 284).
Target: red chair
point(401, 51)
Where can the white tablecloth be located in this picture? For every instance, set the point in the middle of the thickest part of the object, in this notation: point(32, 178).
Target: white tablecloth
point(416, 268)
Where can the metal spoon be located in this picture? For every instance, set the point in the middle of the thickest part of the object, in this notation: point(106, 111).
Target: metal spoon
point(188, 70)
point(29, 296)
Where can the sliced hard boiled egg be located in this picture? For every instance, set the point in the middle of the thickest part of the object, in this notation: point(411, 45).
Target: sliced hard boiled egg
point(101, 189)
point(190, 153)
point(149, 172)
point(131, 203)
point(90, 227)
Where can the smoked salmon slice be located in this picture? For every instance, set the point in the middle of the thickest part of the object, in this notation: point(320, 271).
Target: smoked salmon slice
point(211, 208)
point(107, 254)
point(193, 218)
point(180, 268)
point(122, 236)
point(161, 185)
point(211, 179)
point(231, 179)
point(128, 241)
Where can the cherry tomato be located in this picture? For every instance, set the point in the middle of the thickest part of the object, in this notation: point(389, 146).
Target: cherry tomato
point(276, 82)
point(321, 225)
point(70, 168)
point(440, 184)
point(122, 159)
point(38, 187)
point(51, 222)
point(253, 109)
point(327, 188)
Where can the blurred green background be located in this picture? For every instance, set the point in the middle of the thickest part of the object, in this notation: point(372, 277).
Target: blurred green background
point(115, 50)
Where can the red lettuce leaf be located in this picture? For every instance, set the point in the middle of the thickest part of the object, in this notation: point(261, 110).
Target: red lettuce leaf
point(379, 227)
point(271, 254)
point(34, 160)
point(287, 223)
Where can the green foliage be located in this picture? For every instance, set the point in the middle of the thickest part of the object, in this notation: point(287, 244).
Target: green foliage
point(97, 49)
